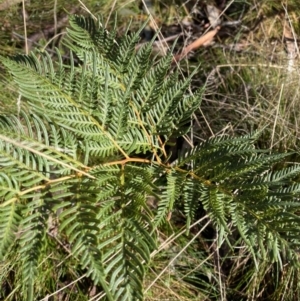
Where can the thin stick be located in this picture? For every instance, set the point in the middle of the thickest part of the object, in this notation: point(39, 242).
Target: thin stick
point(196, 44)
point(61, 289)
point(87, 10)
point(110, 12)
point(55, 17)
point(276, 117)
point(25, 27)
point(155, 27)
point(206, 38)
point(177, 255)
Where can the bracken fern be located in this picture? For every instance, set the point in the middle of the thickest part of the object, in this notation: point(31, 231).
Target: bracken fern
point(81, 159)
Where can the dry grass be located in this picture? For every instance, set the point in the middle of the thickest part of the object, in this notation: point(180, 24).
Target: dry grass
point(253, 81)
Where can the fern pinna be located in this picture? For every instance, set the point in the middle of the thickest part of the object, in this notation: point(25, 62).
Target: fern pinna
point(88, 148)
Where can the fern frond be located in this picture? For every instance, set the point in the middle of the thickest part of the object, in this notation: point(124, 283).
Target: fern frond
point(10, 218)
point(283, 175)
point(216, 204)
point(33, 228)
point(152, 84)
point(89, 150)
point(191, 194)
point(217, 144)
point(171, 193)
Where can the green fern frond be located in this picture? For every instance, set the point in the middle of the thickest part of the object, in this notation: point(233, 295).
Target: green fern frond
point(216, 204)
point(10, 218)
point(217, 144)
point(283, 175)
point(171, 193)
point(152, 84)
point(191, 194)
point(33, 229)
point(89, 149)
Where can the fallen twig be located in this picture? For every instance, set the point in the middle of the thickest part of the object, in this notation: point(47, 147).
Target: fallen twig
point(206, 38)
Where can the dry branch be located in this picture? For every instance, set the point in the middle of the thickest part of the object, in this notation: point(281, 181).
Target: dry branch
point(206, 38)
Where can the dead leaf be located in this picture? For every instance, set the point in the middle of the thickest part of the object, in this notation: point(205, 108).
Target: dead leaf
point(213, 15)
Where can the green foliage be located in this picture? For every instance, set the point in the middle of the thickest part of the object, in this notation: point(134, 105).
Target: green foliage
point(80, 160)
